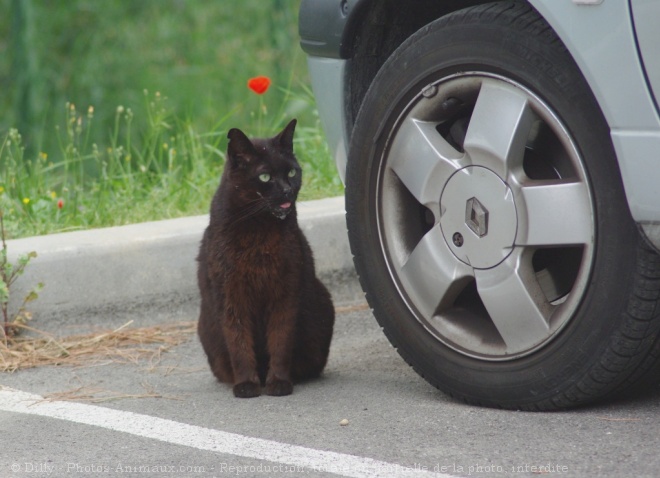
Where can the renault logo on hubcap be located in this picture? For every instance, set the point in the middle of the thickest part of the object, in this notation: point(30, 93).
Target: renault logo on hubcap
point(476, 217)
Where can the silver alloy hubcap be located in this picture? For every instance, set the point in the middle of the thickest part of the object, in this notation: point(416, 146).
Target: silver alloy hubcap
point(484, 245)
point(485, 216)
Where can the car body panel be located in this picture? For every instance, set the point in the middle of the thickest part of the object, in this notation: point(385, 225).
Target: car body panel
point(327, 76)
point(321, 38)
point(601, 38)
point(645, 17)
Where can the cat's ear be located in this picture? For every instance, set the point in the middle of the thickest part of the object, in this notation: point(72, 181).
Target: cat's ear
point(285, 138)
point(240, 150)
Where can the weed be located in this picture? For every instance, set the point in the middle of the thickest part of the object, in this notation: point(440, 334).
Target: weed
point(8, 274)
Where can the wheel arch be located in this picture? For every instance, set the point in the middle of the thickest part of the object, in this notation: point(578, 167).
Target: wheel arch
point(374, 29)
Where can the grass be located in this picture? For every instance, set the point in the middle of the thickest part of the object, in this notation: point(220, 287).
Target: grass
point(169, 170)
point(132, 155)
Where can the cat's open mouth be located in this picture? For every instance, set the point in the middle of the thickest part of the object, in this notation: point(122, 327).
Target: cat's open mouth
point(282, 210)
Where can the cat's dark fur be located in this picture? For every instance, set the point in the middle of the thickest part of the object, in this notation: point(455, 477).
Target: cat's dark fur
point(265, 318)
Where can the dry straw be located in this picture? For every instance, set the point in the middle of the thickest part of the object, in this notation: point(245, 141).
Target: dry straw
point(91, 394)
point(123, 345)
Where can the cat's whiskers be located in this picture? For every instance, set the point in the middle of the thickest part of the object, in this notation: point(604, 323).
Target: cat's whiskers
point(252, 208)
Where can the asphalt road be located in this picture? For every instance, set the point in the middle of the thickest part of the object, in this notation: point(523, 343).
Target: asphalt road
point(393, 423)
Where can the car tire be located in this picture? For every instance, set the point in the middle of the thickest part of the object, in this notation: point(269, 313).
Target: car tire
point(488, 220)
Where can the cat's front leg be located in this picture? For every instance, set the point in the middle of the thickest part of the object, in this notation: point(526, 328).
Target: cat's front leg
point(278, 387)
point(281, 334)
point(247, 389)
point(240, 343)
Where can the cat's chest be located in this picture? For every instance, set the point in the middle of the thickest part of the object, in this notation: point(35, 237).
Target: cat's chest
point(258, 257)
point(261, 259)
point(265, 272)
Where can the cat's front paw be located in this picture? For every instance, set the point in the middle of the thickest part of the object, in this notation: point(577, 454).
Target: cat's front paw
point(279, 388)
point(247, 390)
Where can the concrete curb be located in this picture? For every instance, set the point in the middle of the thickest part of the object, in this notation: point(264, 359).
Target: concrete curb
point(103, 273)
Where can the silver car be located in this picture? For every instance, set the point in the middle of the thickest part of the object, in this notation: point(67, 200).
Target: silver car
point(502, 170)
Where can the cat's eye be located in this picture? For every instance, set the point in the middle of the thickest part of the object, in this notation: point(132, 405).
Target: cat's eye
point(264, 177)
point(292, 173)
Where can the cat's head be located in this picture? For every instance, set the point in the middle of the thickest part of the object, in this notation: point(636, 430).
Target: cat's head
point(264, 172)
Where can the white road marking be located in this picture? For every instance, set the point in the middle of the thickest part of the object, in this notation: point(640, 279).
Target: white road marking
point(206, 439)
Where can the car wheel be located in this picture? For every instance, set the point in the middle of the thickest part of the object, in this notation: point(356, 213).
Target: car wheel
point(488, 221)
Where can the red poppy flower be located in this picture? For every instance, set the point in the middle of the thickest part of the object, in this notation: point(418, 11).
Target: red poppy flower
point(259, 84)
point(60, 204)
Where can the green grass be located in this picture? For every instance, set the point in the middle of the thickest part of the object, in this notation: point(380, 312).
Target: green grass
point(171, 170)
point(137, 156)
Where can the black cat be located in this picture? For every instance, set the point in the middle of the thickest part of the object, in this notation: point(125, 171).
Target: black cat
point(265, 318)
